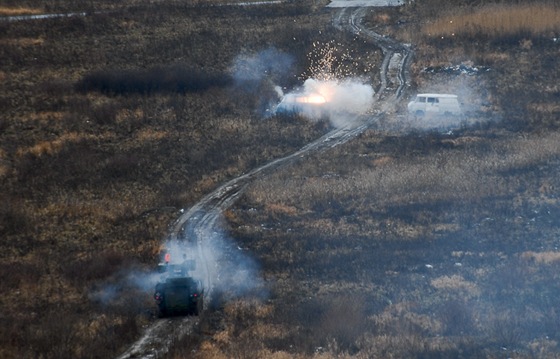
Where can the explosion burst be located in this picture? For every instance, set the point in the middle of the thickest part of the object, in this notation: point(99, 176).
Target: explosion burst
point(332, 61)
point(333, 87)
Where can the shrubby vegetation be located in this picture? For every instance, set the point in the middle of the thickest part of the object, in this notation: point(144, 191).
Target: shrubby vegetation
point(403, 245)
point(432, 248)
point(111, 124)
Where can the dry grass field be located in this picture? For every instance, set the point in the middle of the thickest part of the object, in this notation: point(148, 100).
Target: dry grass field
point(95, 165)
point(412, 244)
point(17, 11)
point(533, 19)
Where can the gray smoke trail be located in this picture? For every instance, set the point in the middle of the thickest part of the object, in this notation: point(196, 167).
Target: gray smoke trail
point(255, 76)
point(272, 64)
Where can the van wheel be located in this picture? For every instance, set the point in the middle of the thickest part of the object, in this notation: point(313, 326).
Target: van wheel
point(419, 113)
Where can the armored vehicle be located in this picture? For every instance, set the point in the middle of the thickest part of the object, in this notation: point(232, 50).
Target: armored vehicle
point(177, 293)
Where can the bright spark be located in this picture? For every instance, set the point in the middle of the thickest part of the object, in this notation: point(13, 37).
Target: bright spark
point(332, 61)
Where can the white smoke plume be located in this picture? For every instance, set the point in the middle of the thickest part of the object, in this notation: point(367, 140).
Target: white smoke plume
point(339, 101)
point(221, 267)
point(346, 96)
point(219, 264)
point(131, 283)
point(334, 89)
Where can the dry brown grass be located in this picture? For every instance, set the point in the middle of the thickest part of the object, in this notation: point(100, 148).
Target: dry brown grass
point(91, 181)
point(446, 176)
point(497, 21)
point(15, 11)
point(281, 209)
point(457, 189)
point(445, 231)
point(542, 257)
point(52, 147)
point(467, 289)
point(23, 42)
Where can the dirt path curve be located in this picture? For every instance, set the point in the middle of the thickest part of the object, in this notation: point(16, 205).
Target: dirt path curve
point(200, 223)
point(396, 56)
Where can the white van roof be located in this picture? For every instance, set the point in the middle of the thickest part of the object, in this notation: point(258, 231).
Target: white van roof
point(440, 95)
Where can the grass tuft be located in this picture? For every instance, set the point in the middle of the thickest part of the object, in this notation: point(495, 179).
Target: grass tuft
point(17, 11)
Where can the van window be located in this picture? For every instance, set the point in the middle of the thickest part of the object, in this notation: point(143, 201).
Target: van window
point(420, 99)
point(433, 100)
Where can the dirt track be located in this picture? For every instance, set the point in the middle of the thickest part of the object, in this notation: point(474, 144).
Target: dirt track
point(200, 222)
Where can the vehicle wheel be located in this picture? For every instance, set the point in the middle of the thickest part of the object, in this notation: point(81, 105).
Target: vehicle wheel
point(162, 313)
point(419, 113)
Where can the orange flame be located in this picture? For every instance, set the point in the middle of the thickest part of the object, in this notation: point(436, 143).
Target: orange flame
point(317, 99)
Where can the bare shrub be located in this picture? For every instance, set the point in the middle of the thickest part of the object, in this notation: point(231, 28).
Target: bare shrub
point(506, 281)
point(457, 317)
point(344, 321)
point(506, 329)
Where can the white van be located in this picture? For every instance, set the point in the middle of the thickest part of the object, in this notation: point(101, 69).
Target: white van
point(434, 104)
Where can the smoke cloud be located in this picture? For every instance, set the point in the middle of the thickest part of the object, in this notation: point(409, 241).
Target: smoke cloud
point(221, 267)
point(204, 252)
point(219, 264)
point(129, 284)
point(270, 64)
point(324, 95)
point(339, 101)
point(256, 75)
